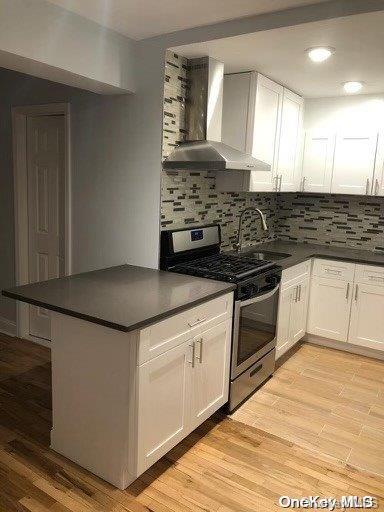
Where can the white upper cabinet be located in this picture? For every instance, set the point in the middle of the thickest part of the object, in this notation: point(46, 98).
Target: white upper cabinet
point(318, 153)
point(264, 132)
point(263, 118)
point(354, 163)
point(236, 94)
point(289, 150)
point(378, 181)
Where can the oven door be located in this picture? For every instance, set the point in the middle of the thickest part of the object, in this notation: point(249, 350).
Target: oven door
point(254, 330)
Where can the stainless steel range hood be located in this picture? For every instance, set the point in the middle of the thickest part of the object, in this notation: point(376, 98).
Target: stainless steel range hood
point(203, 149)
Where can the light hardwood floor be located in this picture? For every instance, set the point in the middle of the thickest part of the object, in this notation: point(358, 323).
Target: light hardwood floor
point(325, 400)
point(224, 466)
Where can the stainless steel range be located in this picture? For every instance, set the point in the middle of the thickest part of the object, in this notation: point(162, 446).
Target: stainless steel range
point(196, 251)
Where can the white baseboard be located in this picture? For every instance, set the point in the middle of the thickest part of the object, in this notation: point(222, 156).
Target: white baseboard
point(7, 326)
point(346, 347)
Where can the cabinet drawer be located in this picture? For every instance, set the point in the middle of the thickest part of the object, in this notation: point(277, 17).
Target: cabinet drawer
point(369, 274)
point(162, 336)
point(295, 273)
point(334, 269)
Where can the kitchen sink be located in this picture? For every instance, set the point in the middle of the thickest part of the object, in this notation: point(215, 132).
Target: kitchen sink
point(267, 255)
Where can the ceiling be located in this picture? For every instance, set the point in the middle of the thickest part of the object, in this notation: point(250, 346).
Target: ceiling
point(280, 54)
point(139, 19)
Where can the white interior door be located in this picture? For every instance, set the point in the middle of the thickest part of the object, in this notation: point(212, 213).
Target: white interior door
point(46, 196)
point(354, 164)
point(290, 142)
point(319, 149)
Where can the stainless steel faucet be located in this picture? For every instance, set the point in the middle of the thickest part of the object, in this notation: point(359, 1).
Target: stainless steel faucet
point(263, 223)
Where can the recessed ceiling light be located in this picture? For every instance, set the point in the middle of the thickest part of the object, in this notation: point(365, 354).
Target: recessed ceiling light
point(352, 87)
point(320, 53)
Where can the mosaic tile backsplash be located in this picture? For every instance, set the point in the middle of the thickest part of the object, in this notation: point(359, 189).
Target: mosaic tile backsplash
point(190, 198)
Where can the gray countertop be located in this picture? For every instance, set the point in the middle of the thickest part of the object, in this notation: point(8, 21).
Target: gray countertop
point(123, 298)
point(301, 252)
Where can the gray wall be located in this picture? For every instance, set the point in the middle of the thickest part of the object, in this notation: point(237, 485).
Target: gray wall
point(101, 186)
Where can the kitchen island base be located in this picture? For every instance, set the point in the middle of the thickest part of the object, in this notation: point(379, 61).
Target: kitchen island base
point(121, 400)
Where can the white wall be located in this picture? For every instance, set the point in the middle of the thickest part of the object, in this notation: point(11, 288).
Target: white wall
point(360, 112)
point(45, 40)
point(103, 198)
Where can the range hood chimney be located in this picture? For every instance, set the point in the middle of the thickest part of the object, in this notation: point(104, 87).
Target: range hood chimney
point(203, 149)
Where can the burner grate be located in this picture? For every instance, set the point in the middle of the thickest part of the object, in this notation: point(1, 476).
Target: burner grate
point(223, 266)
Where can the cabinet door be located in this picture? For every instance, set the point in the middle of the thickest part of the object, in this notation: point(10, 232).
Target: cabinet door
point(286, 299)
point(210, 375)
point(378, 183)
point(264, 135)
point(298, 325)
point(288, 168)
point(329, 308)
point(367, 316)
point(354, 164)
point(318, 156)
point(236, 102)
point(163, 416)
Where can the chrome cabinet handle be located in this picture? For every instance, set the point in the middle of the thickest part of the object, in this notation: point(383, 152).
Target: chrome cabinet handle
point(304, 180)
point(192, 361)
point(356, 292)
point(281, 179)
point(347, 293)
point(296, 293)
point(377, 187)
point(198, 321)
point(367, 187)
point(299, 297)
point(199, 357)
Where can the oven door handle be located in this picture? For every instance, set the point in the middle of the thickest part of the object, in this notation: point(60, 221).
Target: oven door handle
point(259, 298)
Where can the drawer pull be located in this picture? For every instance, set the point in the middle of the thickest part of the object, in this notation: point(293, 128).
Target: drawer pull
point(256, 370)
point(197, 322)
point(333, 271)
point(377, 278)
point(347, 293)
point(356, 292)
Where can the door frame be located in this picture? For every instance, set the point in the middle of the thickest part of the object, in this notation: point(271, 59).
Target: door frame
point(19, 134)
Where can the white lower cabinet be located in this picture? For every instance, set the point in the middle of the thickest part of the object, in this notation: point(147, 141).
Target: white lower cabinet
point(210, 375)
point(367, 316)
point(164, 390)
point(349, 306)
point(293, 305)
point(329, 308)
point(180, 389)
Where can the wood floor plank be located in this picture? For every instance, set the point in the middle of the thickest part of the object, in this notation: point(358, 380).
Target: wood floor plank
point(224, 465)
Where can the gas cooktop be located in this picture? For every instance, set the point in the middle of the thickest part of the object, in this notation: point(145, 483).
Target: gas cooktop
point(223, 267)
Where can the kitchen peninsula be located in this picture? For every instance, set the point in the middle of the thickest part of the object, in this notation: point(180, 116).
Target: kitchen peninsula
point(127, 384)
